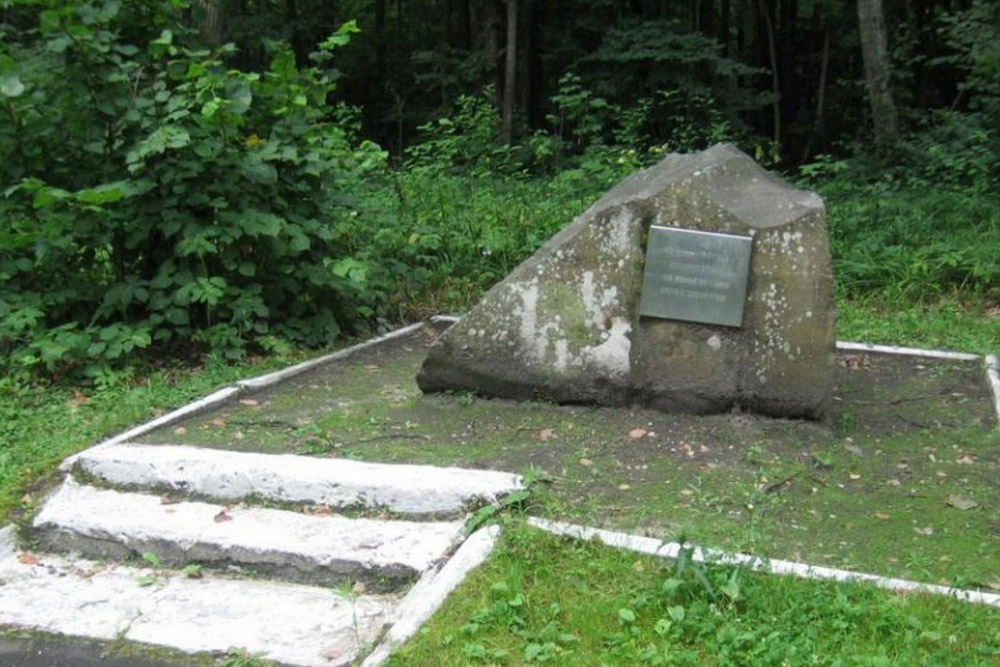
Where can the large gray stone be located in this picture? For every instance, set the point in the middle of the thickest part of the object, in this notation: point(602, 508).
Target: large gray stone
point(565, 324)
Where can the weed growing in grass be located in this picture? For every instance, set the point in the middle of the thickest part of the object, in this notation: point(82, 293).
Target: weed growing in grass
point(239, 657)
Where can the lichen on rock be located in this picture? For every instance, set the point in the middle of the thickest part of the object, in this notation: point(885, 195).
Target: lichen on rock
point(565, 324)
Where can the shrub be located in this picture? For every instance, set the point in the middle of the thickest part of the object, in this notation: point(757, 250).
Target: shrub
point(161, 196)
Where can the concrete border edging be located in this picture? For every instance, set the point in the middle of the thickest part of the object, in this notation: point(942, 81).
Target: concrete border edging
point(993, 378)
point(849, 346)
point(655, 547)
point(430, 592)
point(218, 397)
point(224, 395)
point(262, 381)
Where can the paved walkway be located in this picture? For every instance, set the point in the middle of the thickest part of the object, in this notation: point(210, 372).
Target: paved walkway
point(309, 561)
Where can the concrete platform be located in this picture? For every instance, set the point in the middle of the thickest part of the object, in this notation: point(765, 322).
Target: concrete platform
point(105, 523)
point(418, 491)
point(290, 623)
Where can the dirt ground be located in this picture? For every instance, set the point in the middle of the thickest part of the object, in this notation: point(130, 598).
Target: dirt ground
point(900, 479)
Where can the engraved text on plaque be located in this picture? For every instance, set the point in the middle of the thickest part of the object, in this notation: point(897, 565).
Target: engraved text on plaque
point(695, 276)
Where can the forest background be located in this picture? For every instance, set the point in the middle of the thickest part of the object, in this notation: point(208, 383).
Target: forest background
point(202, 182)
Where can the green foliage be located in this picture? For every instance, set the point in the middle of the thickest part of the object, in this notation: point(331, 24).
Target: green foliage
point(905, 235)
point(161, 196)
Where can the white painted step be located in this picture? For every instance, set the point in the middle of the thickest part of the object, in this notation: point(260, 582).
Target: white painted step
point(99, 522)
point(291, 623)
point(416, 490)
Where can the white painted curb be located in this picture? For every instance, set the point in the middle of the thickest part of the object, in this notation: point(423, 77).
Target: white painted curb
point(993, 377)
point(431, 591)
point(224, 395)
point(907, 351)
point(654, 547)
point(8, 541)
point(217, 398)
point(269, 379)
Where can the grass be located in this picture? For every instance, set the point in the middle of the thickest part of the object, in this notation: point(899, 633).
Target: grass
point(42, 424)
point(548, 600)
point(958, 322)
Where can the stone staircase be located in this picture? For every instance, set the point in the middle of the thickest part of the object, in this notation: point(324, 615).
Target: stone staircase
point(307, 561)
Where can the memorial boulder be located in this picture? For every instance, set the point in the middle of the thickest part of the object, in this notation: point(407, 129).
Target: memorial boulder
point(699, 285)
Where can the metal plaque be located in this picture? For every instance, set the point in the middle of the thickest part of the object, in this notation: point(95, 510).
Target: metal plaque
point(695, 276)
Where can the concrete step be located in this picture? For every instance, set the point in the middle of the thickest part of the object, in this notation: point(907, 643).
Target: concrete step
point(414, 490)
point(290, 623)
point(298, 547)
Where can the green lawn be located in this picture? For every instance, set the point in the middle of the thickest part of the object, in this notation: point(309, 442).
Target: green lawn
point(548, 600)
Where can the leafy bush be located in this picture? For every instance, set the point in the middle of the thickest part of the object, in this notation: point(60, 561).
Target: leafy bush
point(160, 196)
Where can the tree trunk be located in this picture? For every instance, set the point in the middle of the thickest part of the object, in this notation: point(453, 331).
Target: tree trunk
point(464, 25)
point(724, 25)
point(510, 73)
point(817, 130)
point(875, 53)
point(210, 27)
point(490, 44)
point(525, 36)
point(765, 14)
point(380, 50)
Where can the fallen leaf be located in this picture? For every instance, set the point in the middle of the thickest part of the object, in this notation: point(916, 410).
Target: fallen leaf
point(333, 654)
point(317, 510)
point(624, 487)
point(239, 435)
point(854, 449)
point(961, 503)
point(218, 422)
point(545, 434)
point(968, 460)
point(180, 430)
point(854, 362)
point(169, 500)
point(892, 482)
point(359, 587)
point(372, 367)
point(637, 433)
point(924, 531)
point(26, 498)
point(995, 585)
point(855, 476)
point(28, 558)
point(586, 462)
point(639, 566)
point(881, 515)
point(249, 402)
point(222, 517)
point(80, 397)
